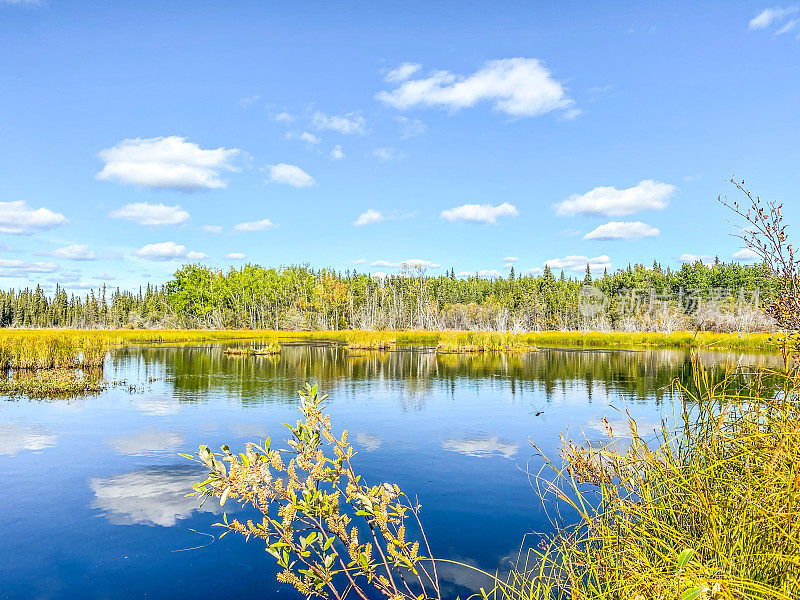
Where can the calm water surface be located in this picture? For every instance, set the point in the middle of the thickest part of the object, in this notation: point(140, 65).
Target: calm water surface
point(92, 502)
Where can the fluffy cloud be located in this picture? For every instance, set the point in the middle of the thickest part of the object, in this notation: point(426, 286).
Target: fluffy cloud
point(167, 251)
point(166, 163)
point(402, 72)
point(510, 259)
point(622, 230)
point(611, 202)
point(578, 264)
point(746, 255)
point(521, 87)
point(480, 213)
point(693, 258)
point(74, 252)
point(14, 438)
point(283, 117)
point(151, 214)
point(235, 256)
point(770, 15)
point(17, 217)
point(403, 264)
point(248, 101)
point(348, 124)
point(481, 447)
point(261, 225)
point(148, 496)
point(388, 154)
point(336, 152)
point(368, 217)
point(21, 268)
point(411, 127)
point(289, 175)
point(307, 137)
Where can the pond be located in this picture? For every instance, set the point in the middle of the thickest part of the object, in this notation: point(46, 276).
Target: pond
point(93, 501)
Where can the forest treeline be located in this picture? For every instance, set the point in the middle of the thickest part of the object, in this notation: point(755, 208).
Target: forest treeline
point(717, 297)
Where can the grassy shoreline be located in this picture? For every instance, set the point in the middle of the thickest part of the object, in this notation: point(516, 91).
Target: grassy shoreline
point(41, 341)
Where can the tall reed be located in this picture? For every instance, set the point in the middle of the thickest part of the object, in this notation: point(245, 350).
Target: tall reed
point(708, 509)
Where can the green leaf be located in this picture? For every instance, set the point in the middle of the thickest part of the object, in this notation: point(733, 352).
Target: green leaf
point(691, 593)
point(684, 557)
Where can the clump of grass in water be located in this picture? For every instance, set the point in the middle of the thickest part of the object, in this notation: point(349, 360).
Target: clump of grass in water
point(483, 341)
point(371, 340)
point(708, 510)
point(51, 383)
point(270, 349)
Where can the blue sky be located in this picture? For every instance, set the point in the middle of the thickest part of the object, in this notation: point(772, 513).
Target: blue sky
point(137, 136)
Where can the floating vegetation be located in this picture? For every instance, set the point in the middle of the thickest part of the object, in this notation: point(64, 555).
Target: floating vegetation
point(270, 349)
point(483, 341)
point(371, 340)
point(57, 383)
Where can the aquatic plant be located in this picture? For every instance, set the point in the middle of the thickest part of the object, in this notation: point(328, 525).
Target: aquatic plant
point(330, 532)
point(707, 509)
point(269, 349)
point(57, 383)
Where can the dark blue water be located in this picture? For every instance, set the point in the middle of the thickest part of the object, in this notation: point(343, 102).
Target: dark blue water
point(92, 503)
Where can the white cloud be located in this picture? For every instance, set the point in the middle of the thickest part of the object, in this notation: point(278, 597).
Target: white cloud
point(369, 217)
point(510, 259)
point(289, 175)
point(347, 124)
point(508, 265)
point(488, 273)
point(283, 117)
point(167, 251)
point(336, 152)
point(521, 87)
point(21, 268)
point(261, 225)
point(17, 217)
point(746, 255)
point(388, 154)
point(235, 256)
point(368, 442)
point(409, 263)
point(578, 264)
point(411, 127)
point(402, 72)
point(789, 26)
point(767, 16)
point(307, 137)
point(148, 496)
point(693, 258)
point(151, 214)
point(611, 202)
point(622, 230)
point(74, 252)
point(14, 438)
point(212, 228)
point(248, 101)
point(166, 163)
point(360, 261)
point(480, 213)
point(481, 447)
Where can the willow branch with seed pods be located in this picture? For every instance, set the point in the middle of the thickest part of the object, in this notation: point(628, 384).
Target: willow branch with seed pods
point(311, 505)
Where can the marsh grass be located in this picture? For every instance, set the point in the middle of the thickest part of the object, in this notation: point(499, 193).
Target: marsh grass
point(707, 509)
point(52, 383)
point(482, 341)
point(268, 349)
